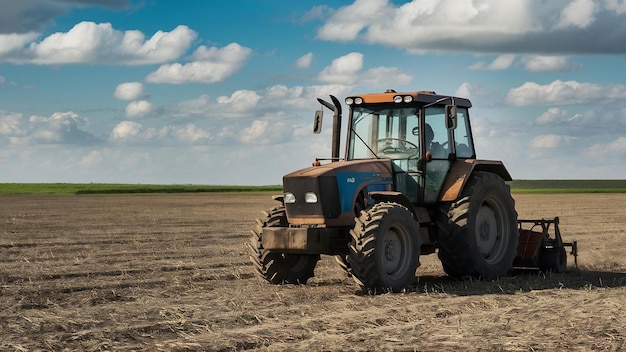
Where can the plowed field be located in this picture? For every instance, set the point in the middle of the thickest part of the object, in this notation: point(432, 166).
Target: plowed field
point(171, 273)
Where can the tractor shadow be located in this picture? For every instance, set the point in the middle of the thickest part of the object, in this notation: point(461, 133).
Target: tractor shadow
point(519, 281)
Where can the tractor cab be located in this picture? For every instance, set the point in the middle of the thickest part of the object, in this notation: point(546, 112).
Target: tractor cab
point(420, 132)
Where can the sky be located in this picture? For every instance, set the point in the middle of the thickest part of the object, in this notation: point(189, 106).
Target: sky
point(224, 92)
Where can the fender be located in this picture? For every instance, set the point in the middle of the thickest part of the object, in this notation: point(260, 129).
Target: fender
point(459, 173)
point(420, 214)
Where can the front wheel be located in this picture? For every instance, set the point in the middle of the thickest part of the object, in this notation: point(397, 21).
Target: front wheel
point(478, 233)
point(384, 248)
point(279, 268)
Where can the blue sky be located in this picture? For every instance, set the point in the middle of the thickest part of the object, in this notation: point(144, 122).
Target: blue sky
point(209, 92)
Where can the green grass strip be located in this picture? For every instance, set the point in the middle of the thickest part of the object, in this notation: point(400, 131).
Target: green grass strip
point(106, 188)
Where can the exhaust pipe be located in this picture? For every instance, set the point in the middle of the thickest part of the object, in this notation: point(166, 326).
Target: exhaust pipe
point(336, 108)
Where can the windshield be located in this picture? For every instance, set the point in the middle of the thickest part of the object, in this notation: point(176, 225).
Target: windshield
point(384, 133)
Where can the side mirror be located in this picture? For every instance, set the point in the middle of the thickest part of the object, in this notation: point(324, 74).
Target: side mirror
point(317, 121)
point(450, 117)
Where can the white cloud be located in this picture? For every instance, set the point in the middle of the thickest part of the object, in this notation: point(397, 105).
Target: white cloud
point(347, 22)
point(131, 91)
point(59, 128)
point(139, 108)
point(343, 69)
point(612, 149)
point(12, 43)
point(262, 132)
point(465, 90)
point(565, 93)
point(210, 65)
point(550, 141)
point(241, 100)
point(347, 70)
point(133, 133)
point(244, 103)
point(501, 62)
point(93, 158)
point(532, 63)
point(305, 60)
point(192, 134)
point(552, 116)
point(538, 63)
point(92, 43)
point(485, 26)
point(578, 13)
point(126, 130)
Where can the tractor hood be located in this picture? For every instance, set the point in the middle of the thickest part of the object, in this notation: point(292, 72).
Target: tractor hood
point(326, 194)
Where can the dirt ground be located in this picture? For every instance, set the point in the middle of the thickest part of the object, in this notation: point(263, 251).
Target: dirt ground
point(171, 273)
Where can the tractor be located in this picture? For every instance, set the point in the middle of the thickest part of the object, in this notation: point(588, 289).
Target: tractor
point(409, 184)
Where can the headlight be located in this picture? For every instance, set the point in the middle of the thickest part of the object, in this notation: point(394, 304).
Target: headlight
point(349, 101)
point(289, 198)
point(358, 100)
point(397, 99)
point(310, 197)
point(408, 98)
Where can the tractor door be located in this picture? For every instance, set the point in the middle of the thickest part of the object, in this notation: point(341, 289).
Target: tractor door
point(437, 142)
point(444, 145)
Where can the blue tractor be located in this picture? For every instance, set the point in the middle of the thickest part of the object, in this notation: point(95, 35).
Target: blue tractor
point(409, 184)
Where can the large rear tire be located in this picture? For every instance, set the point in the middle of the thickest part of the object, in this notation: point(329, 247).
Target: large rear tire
point(384, 249)
point(478, 233)
point(279, 268)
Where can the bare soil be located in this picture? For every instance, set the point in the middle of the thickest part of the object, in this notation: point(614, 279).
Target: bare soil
point(171, 273)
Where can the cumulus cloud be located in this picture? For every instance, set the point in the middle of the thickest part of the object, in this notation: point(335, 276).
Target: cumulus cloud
point(305, 60)
point(139, 108)
point(550, 141)
point(486, 26)
point(209, 65)
point(131, 91)
point(465, 90)
point(10, 44)
point(552, 116)
point(538, 63)
point(501, 62)
point(134, 133)
point(238, 104)
point(241, 100)
point(565, 93)
point(126, 130)
point(343, 69)
point(348, 69)
point(92, 43)
point(59, 128)
point(245, 103)
point(262, 132)
point(578, 13)
point(613, 148)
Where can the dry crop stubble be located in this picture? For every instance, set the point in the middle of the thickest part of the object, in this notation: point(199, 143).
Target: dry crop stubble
point(171, 272)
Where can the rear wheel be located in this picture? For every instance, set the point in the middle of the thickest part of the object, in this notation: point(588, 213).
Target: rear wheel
point(478, 233)
point(279, 268)
point(384, 248)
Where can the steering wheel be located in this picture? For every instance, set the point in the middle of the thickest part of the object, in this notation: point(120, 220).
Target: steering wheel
point(403, 150)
